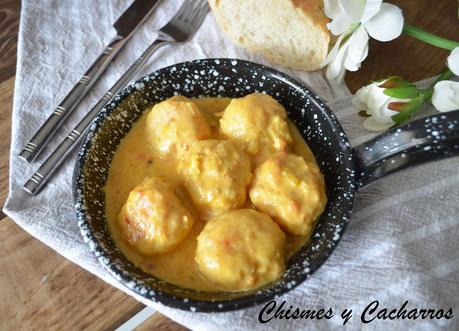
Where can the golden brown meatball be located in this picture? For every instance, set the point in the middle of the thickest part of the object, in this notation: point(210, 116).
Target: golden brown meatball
point(216, 174)
point(241, 250)
point(174, 124)
point(257, 122)
point(291, 191)
point(154, 220)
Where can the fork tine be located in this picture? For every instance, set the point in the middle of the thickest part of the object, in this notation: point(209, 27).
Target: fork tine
point(183, 9)
point(201, 10)
point(185, 22)
point(192, 13)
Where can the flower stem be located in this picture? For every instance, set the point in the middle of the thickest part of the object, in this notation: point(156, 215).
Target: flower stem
point(426, 93)
point(446, 74)
point(429, 38)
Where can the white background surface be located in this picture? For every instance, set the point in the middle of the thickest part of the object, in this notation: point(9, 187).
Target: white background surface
point(401, 243)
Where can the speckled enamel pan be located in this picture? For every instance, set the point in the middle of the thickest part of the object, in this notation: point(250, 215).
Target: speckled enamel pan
point(346, 169)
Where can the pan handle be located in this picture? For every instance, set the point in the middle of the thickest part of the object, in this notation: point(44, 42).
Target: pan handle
point(423, 140)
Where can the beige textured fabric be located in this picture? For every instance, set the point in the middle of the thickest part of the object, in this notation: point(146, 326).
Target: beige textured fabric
point(401, 243)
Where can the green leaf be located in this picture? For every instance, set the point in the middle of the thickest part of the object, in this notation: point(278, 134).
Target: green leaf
point(393, 81)
point(402, 92)
point(408, 111)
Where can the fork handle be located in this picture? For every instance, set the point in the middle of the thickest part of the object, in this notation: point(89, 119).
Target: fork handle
point(55, 159)
point(55, 120)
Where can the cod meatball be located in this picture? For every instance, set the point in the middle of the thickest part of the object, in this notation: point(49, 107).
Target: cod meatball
point(241, 250)
point(291, 191)
point(258, 123)
point(174, 124)
point(216, 174)
point(154, 220)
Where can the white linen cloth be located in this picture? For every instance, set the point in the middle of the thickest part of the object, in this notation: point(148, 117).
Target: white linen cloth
point(401, 243)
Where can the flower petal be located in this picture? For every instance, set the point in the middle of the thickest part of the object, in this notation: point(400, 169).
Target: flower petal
point(387, 24)
point(332, 8)
point(358, 49)
point(446, 96)
point(373, 125)
point(372, 99)
point(378, 103)
point(361, 98)
point(353, 8)
point(371, 8)
point(335, 69)
point(334, 51)
point(453, 61)
point(339, 25)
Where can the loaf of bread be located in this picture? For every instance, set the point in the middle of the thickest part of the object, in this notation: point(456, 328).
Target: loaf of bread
point(288, 32)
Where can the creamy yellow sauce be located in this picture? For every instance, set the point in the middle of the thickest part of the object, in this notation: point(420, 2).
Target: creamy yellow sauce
point(135, 159)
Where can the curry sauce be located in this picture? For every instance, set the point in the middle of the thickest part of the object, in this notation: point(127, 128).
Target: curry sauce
point(135, 159)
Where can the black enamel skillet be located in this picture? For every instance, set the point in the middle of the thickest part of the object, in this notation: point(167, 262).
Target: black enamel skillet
point(346, 169)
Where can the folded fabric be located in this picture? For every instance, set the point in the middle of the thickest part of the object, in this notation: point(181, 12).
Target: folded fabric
point(400, 244)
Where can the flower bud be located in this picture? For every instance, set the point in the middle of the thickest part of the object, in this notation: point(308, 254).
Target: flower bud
point(387, 102)
point(446, 96)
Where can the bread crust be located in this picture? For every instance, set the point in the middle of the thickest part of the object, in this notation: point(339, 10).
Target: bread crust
point(314, 8)
point(252, 26)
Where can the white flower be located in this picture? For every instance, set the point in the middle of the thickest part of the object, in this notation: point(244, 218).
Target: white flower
point(446, 96)
point(453, 61)
point(371, 98)
point(446, 93)
point(352, 21)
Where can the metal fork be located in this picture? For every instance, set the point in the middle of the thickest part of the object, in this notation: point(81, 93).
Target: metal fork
point(180, 28)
